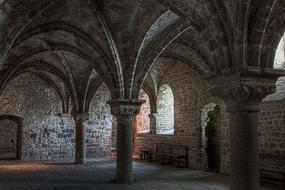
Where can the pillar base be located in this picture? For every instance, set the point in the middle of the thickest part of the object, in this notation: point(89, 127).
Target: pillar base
point(122, 180)
point(80, 161)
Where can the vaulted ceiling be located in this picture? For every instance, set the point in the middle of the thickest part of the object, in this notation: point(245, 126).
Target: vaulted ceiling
point(78, 44)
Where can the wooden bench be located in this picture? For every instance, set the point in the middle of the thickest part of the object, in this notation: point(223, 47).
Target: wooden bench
point(163, 153)
point(144, 155)
point(179, 155)
point(149, 154)
point(270, 175)
point(172, 154)
point(273, 177)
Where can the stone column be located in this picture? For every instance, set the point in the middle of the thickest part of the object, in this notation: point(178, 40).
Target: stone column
point(244, 148)
point(243, 105)
point(125, 112)
point(80, 138)
point(152, 118)
point(19, 138)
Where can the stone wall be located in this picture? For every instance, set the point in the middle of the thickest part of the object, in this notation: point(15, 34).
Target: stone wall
point(272, 127)
point(8, 138)
point(190, 95)
point(272, 135)
point(99, 125)
point(46, 136)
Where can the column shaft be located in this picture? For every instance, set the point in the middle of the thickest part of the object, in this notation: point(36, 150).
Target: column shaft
point(124, 172)
point(80, 142)
point(244, 151)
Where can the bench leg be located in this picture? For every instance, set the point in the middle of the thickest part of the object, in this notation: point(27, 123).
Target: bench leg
point(180, 165)
point(165, 159)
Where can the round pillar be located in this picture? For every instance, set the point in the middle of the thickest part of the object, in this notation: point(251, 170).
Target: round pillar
point(244, 150)
point(80, 138)
point(124, 171)
point(125, 111)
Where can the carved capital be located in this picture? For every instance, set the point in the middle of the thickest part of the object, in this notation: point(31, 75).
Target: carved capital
point(152, 115)
point(125, 110)
point(64, 115)
point(80, 117)
point(245, 96)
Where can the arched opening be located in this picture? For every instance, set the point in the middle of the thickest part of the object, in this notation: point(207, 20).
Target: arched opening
point(279, 61)
point(10, 137)
point(142, 119)
point(210, 123)
point(165, 111)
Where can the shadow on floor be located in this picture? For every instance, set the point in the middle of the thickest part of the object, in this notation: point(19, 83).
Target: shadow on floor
point(97, 174)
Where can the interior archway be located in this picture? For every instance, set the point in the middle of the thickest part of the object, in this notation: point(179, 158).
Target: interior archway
point(210, 123)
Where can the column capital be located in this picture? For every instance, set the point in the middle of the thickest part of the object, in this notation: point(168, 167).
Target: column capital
point(125, 109)
point(152, 115)
point(80, 117)
point(243, 96)
point(64, 115)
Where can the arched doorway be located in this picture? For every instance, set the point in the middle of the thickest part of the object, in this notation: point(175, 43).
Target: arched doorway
point(10, 137)
point(211, 122)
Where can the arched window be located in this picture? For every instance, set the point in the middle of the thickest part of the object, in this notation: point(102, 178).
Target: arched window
point(279, 61)
point(165, 111)
point(142, 119)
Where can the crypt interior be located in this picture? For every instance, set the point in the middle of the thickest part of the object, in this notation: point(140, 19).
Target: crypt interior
point(142, 94)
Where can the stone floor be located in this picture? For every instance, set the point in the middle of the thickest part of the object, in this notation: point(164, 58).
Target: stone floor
point(96, 175)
